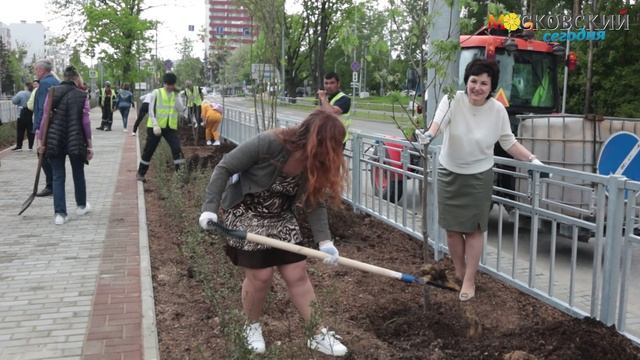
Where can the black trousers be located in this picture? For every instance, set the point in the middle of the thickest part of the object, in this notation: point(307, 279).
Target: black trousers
point(25, 125)
point(144, 110)
point(195, 110)
point(107, 117)
point(171, 136)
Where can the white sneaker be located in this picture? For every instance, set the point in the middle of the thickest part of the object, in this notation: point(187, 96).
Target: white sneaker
point(83, 210)
point(133, 134)
point(124, 130)
point(328, 343)
point(59, 219)
point(209, 142)
point(217, 143)
point(255, 341)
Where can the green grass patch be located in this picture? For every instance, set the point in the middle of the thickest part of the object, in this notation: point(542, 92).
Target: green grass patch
point(8, 134)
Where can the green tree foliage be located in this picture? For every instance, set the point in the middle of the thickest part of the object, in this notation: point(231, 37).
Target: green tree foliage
point(188, 67)
point(13, 74)
point(616, 71)
point(114, 27)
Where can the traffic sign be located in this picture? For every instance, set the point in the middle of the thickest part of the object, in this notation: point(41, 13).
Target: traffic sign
point(355, 66)
point(93, 74)
point(354, 77)
point(620, 155)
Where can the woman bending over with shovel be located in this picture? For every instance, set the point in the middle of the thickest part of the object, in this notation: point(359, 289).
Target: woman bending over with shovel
point(472, 123)
point(257, 185)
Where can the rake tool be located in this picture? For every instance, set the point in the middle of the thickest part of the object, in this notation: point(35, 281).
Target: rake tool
point(312, 253)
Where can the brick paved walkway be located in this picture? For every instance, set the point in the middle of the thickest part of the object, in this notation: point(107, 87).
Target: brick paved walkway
point(74, 291)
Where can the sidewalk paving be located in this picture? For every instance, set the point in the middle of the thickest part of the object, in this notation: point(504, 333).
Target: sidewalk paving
point(74, 291)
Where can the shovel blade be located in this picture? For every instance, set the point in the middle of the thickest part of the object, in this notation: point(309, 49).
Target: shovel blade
point(27, 203)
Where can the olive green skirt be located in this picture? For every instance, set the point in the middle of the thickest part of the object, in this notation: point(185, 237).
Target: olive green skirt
point(464, 200)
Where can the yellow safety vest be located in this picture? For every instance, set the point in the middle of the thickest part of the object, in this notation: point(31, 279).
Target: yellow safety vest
point(345, 118)
point(165, 110)
point(102, 98)
point(193, 96)
point(197, 100)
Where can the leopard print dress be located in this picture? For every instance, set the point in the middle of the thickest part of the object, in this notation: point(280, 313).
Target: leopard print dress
point(268, 213)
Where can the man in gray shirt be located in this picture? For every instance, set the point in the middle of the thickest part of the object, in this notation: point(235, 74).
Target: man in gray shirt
point(24, 117)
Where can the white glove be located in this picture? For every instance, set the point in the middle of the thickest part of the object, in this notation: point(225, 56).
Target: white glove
point(157, 131)
point(543, 174)
point(328, 248)
point(424, 138)
point(205, 217)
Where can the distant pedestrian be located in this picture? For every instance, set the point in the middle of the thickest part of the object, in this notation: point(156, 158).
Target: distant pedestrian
point(107, 103)
point(164, 108)
point(124, 102)
point(25, 117)
point(47, 79)
point(69, 134)
point(212, 114)
point(142, 112)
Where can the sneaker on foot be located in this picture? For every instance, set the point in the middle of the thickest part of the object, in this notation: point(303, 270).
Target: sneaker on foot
point(133, 133)
point(217, 143)
point(83, 210)
point(60, 219)
point(124, 130)
point(16, 149)
point(140, 177)
point(328, 343)
point(255, 341)
point(209, 142)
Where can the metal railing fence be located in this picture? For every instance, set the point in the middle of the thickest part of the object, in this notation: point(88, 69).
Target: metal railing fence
point(524, 245)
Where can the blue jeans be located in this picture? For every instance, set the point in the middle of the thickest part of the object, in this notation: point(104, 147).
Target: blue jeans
point(124, 111)
point(59, 176)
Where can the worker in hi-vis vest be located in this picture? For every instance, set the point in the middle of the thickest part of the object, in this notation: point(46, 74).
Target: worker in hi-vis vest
point(194, 100)
point(334, 100)
point(164, 108)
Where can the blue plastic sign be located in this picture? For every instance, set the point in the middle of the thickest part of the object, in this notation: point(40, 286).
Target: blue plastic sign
point(620, 155)
point(355, 66)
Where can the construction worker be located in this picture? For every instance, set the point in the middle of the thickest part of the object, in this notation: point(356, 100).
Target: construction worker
point(164, 108)
point(194, 100)
point(212, 117)
point(107, 103)
point(332, 99)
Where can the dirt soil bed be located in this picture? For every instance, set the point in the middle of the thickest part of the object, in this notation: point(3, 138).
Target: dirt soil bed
point(378, 318)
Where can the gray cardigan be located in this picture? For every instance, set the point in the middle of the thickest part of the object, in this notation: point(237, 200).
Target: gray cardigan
point(259, 162)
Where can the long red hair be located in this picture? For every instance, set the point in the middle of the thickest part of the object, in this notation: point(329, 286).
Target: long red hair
point(321, 137)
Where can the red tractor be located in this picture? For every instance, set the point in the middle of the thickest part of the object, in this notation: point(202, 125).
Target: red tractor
point(528, 84)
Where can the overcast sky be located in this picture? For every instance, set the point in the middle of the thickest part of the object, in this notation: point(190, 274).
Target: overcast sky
point(175, 15)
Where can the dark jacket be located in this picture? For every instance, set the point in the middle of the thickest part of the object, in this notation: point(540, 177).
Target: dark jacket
point(65, 135)
point(259, 162)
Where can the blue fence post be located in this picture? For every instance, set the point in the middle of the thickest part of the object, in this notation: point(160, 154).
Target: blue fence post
point(613, 248)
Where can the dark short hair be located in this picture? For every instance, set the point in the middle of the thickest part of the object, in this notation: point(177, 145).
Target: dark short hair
point(169, 78)
point(332, 75)
point(481, 66)
point(70, 73)
point(125, 86)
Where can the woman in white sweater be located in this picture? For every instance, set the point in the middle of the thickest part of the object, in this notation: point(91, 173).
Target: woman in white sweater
point(472, 122)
